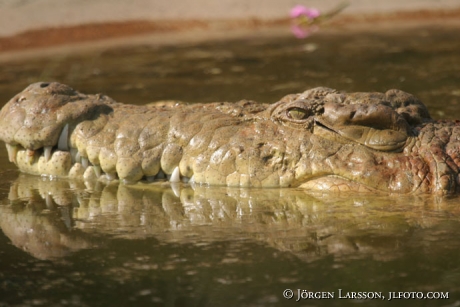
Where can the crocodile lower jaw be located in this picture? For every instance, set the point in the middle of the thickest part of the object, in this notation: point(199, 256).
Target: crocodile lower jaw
point(54, 162)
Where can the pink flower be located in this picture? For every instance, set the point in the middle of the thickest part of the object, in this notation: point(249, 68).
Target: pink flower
point(302, 32)
point(300, 10)
point(299, 32)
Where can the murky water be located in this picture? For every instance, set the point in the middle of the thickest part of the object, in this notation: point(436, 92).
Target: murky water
point(64, 243)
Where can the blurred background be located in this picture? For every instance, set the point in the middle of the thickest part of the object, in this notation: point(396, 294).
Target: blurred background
point(145, 50)
point(21, 15)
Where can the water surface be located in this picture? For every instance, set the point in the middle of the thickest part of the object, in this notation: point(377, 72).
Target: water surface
point(64, 243)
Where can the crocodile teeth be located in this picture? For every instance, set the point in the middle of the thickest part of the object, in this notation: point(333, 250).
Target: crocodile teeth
point(30, 156)
point(49, 201)
point(12, 151)
point(75, 155)
point(63, 143)
point(192, 179)
point(111, 176)
point(77, 158)
point(84, 162)
point(97, 170)
point(175, 176)
point(47, 152)
point(175, 188)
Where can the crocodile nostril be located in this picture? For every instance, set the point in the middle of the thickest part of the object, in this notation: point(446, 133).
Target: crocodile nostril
point(43, 85)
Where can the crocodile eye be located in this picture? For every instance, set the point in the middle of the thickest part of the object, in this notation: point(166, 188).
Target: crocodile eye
point(297, 113)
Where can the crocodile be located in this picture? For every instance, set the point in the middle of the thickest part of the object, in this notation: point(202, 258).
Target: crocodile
point(321, 139)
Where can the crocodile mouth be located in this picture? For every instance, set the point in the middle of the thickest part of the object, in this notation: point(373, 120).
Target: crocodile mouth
point(62, 160)
point(322, 130)
point(379, 139)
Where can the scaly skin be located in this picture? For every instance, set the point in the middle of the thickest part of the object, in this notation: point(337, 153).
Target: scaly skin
point(320, 139)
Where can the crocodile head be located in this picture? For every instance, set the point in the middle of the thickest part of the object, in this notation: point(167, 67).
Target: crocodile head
point(375, 120)
point(36, 121)
point(36, 117)
point(357, 141)
point(321, 139)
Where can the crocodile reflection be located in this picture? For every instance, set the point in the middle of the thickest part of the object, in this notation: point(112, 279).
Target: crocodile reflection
point(50, 219)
